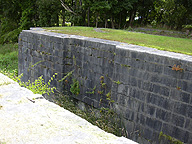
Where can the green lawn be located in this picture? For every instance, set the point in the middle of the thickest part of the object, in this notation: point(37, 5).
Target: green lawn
point(9, 57)
point(166, 43)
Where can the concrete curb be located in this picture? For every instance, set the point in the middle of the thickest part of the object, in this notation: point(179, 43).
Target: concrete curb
point(24, 118)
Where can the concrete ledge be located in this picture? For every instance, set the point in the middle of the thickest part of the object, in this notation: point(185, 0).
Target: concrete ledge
point(29, 118)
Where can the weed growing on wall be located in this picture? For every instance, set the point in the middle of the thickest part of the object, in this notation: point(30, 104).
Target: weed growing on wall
point(177, 68)
point(91, 92)
point(104, 118)
point(69, 74)
point(169, 138)
point(11, 74)
point(37, 87)
point(75, 87)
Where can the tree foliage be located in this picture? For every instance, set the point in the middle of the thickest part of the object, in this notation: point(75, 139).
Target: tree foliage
point(16, 15)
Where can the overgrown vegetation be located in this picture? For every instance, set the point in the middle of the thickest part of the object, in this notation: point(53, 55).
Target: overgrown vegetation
point(75, 87)
point(37, 87)
point(104, 118)
point(179, 45)
point(9, 56)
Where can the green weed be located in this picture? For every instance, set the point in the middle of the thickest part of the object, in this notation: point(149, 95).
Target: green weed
point(169, 138)
point(93, 90)
point(39, 86)
point(75, 87)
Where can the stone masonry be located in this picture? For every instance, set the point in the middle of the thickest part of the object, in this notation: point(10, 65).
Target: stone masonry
point(151, 89)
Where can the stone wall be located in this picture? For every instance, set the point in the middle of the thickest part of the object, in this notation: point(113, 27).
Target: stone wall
point(151, 89)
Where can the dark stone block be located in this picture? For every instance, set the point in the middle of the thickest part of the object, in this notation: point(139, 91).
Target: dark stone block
point(188, 124)
point(130, 115)
point(180, 108)
point(180, 134)
point(88, 83)
point(134, 104)
point(189, 111)
point(132, 92)
point(122, 89)
point(110, 72)
point(140, 119)
point(148, 86)
point(177, 120)
point(189, 88)
point(133, 54)
point(140, 84)
point(148, 133)
point(58, 67)
point(118, 59)
point(164, 91)
point(133, 81)
point(185, 97)
point(158, 68)
point(142, 107)
point(154, 123)
point(163, 114)
point(150, 110)
point(160, 101)
point(187, 75)
point(156, 88)
point(180, 96)
point(114, 96)
point(114, 87)
point(121, 99)
point(141, 95)
point(190, 138)
point(169, 81)
point(133, 72)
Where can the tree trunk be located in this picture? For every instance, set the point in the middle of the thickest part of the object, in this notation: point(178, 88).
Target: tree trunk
point(120, 21)
point(63, 15)
point(112, 23)
point(88, 17)
point(131, 18)
point(97, 17)
point(57, 24)
point(106, 22)
point(80, 2)
point(84, 18)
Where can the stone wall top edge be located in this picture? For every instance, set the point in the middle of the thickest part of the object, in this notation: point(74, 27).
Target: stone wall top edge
point(119, 45)
point(153, 51)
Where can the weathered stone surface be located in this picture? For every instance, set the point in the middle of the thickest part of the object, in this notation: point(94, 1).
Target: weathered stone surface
point(29, 118)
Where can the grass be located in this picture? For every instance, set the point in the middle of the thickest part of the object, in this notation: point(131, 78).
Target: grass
point(179, 45)
point(9, 57)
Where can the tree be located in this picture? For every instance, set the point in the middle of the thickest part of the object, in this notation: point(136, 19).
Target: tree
point(171, 13)
point(10, 18)
point(48, 12)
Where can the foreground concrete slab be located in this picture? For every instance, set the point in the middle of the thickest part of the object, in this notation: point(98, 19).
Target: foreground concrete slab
point(27, 118)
